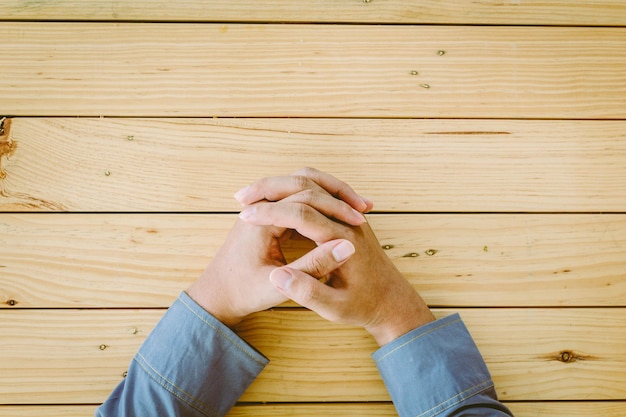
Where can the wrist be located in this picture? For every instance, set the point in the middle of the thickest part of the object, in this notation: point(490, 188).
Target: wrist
point(400, 324)
point(212, 304)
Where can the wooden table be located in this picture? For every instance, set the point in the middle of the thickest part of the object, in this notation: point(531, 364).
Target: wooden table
point(490, 135)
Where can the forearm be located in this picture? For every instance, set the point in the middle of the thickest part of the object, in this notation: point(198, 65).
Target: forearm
point(190, 365)
point(437, 370)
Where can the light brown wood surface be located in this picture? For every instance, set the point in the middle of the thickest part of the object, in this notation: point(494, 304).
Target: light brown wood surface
point(533, 409)
point(87, 352)
point(560, 409)
point(420, 165)
point(110, 260)
point(490, 134)
point(532, 12)
point(106, 69)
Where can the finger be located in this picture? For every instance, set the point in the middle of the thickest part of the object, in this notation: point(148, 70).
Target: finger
point(336, 187)
point(275, 188)
point(328, 205)
point(298, 280)
point(325, 258)
point(369, 205)
point(302, 218)
point(304, 290)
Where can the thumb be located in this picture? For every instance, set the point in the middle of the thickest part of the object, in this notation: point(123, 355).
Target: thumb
point(300, 279)
point(304, 289)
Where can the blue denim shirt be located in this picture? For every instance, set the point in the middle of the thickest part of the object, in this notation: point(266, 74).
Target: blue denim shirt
point(194, 365)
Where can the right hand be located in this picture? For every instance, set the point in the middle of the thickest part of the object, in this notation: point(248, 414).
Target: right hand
point(368, 290)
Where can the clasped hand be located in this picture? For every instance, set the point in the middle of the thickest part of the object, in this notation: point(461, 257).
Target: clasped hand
point(347, 278)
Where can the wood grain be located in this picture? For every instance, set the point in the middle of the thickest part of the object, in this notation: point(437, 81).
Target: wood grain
point(137, 260)
point(565, 409)
point(403, 165)
point(528, 12)
point(124, 69)
point(56, 356)
point(438, 111)
point(531, 409)
point(47, 410)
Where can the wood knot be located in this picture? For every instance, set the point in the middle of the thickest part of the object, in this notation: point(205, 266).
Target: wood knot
point(11, 302)
point(387, 247)
point(568, 356)
point(5, 130)
point(411, 255)
point(7, 146)
point(431, 252)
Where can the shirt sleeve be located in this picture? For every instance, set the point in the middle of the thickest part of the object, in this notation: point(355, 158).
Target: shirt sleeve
point(437, 370)
point(191, 364)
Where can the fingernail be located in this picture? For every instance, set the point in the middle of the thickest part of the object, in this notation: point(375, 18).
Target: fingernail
point(241, 193)
point(247, 214)
point(281, 278)
point(359, 216)
point(343, 251)
point(368, 202)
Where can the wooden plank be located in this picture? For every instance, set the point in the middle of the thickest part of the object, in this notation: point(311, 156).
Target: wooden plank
point(105, 260)
point(531, 409)
point(528, 12)
point(403, 165)
point(96, 69)
point(525, 362)
point(67, 362)
point(47, 410)
point(569, 409)
point(56, 356)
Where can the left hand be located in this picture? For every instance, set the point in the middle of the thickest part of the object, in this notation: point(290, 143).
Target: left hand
point(235, 284)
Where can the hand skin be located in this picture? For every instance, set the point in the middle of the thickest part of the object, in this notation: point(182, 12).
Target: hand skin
point(331, 196)
point(235, 284)
point(368, 290)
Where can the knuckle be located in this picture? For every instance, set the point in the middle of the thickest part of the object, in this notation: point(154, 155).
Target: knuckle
point(260, 187)
point(307, 196)
point(350, 233)
point(308, 171)
point(316, 266)
point(309, 293)
point(261, 183)
point(301, 182)
point(303, 212)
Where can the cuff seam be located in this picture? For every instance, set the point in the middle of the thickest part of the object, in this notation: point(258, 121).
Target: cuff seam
point(419, 336)
point(172, 388)
point(460, 397)
point(220, 332)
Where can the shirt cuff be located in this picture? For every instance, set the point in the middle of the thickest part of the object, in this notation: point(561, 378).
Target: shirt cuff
point(433, 368)
point(198, 359)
